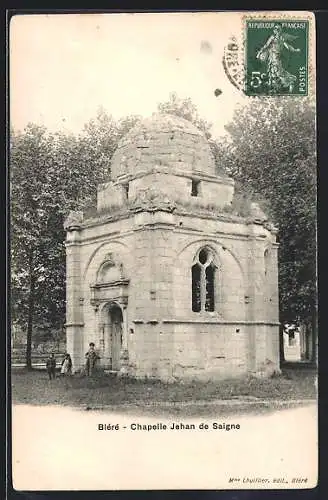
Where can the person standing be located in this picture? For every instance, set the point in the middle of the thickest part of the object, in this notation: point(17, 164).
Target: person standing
point(51, 366)
point(66, 366)
point(91, 358)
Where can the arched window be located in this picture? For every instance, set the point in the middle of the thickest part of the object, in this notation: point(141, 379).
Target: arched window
point(209, 277)
point(196, 300)
point(203, 281)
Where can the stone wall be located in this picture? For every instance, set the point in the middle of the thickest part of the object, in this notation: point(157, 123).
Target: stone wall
point(174, 350)
point(165, 338)
point(212, 192)
point(205, 350)
point(110, 195)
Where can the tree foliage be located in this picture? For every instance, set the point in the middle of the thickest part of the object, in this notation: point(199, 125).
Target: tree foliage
point(186, 109)
point(51, 174)
point(271, 151)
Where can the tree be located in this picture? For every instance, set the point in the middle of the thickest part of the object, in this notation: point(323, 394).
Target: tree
point(97, 143)
point(271, 151)
point(51, 174)
point(29, 159)
point(187, 110)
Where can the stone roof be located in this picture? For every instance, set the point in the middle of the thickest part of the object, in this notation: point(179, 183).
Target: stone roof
point(163, 141)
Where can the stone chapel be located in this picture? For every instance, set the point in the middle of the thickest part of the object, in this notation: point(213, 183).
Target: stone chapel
point(164, 277)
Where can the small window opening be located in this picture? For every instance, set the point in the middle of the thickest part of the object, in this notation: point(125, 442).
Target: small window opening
point(126, 188)
point(194, 188)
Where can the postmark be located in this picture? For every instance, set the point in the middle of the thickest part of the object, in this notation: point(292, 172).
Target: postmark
point(232, 62)
point(276, 57)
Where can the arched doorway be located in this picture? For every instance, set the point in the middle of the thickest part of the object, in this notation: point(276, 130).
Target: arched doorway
point(112, 336)
point(116, 319)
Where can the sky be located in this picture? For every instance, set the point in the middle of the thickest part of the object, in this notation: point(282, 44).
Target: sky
point(64, 67)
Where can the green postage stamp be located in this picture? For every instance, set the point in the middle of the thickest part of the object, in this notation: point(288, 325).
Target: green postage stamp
point(276, 57)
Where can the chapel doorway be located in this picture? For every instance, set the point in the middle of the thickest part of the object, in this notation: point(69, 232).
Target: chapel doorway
point(116, 322)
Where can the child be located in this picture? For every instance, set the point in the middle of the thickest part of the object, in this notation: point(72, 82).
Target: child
point(51, 366)
point(66, 366)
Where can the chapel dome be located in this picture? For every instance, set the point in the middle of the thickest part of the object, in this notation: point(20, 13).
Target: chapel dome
point(167, 142)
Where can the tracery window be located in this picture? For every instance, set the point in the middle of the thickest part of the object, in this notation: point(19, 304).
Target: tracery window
point(203, 281)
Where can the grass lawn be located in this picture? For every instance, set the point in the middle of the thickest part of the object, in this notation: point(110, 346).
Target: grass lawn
point(35, 388)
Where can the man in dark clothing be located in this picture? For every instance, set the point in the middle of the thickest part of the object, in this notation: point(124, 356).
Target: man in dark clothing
point(51, 366)
point(91, 358)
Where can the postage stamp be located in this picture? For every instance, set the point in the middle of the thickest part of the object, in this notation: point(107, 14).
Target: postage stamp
point(276, 57)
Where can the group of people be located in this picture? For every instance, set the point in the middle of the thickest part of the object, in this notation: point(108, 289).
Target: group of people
point(66, 366)
point(91, 358)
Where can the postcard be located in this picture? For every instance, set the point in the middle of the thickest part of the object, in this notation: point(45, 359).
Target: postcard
point(163, 251)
